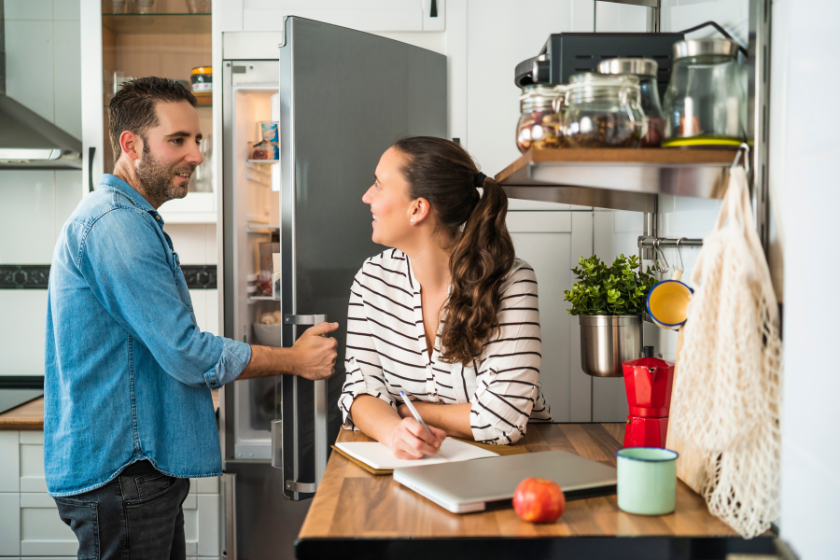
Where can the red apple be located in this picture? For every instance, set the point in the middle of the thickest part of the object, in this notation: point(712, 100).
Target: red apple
point(538, 500)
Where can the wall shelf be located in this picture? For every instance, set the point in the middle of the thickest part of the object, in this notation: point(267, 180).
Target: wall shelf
point(157, 24)
point(620, 179)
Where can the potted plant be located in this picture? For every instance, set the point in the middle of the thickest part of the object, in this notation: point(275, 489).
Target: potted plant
point(610, 301)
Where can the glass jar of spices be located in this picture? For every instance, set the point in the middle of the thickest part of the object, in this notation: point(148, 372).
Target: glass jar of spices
point(706, 101)
point(603, 112)
point(539, 123)
point(645, 69)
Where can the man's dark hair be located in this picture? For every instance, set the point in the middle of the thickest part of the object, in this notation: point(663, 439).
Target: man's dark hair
point(133, 107)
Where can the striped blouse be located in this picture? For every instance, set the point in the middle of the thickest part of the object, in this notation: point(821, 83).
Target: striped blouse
point(386, 352)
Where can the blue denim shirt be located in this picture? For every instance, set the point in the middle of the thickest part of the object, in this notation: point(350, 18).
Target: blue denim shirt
point(128, 372)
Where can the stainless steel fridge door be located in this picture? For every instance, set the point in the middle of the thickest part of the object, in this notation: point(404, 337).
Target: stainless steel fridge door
point(345, 97)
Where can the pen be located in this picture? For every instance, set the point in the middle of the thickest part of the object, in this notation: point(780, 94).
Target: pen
point(417, 417)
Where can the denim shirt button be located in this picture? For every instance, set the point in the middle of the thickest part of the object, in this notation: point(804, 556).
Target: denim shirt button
point(212, 383)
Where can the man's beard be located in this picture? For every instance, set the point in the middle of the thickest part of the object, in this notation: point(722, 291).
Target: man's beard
point(156, 178)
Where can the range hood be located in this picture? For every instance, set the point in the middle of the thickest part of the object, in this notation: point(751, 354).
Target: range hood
point(27, 140)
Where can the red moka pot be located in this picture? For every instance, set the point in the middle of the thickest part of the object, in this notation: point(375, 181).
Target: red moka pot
point(648, 383)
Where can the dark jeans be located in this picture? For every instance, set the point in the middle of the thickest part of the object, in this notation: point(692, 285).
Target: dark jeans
point(136, 516)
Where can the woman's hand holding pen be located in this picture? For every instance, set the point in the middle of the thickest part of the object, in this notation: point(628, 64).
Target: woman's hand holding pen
point(410, 440)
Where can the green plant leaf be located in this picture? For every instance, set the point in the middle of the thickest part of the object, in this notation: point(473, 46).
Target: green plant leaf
point(609, 290)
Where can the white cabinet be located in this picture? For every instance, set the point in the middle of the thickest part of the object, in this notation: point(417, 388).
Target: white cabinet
point(30, 527)
point(42, 532)
point(9, 523)
point(552, 242)
point(364, 15)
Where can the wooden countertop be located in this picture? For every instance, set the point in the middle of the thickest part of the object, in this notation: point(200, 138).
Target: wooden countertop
point(353, 503)
point(30, 416)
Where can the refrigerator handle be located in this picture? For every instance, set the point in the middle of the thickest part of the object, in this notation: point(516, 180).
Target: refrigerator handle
point(320, 391)
point(229, 504)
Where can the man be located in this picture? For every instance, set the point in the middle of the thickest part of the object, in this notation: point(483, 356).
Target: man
point(128, 414)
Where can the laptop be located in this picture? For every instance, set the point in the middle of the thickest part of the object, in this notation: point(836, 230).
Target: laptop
point(467, 486)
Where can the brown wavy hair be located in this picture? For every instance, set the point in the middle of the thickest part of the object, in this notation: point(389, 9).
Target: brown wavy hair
point(482, 253)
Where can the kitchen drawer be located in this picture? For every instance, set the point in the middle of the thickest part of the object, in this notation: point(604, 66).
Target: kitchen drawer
point(206, 485)
point(9, 524)
point(32, 462)
point(30, 526)
point(201, 524)
point(9, 461)
point(42, 532)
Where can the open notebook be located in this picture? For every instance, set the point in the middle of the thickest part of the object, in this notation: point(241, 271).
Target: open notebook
point(380, 459)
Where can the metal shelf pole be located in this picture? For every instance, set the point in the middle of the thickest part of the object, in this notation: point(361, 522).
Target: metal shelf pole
point(758, 126)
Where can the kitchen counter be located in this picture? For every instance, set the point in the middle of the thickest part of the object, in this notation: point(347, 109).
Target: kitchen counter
point(30, 416)
point(355, 514)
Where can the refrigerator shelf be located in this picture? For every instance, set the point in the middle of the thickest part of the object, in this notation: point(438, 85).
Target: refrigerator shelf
point(257, 228)
point(620, 179)
point(254, 299)
point(263, 161)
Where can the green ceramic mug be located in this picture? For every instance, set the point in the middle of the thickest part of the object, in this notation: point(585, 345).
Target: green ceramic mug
point(647, 480)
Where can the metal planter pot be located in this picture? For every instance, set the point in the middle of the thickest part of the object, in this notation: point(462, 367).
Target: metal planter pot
point(608, 340)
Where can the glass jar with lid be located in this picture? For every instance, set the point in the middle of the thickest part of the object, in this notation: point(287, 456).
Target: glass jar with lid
point(645, 69)
point(705, 103)
point(540, 126)
point(603, 112)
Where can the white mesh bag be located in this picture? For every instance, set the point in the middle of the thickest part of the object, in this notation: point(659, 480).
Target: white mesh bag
point(727, 396)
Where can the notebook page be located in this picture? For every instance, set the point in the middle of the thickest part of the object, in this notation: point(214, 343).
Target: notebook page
point(382, 457)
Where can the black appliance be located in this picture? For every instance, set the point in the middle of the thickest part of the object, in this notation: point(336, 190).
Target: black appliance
point(566, 54)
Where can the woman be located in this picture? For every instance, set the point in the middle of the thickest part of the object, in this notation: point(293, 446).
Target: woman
point(448, 315)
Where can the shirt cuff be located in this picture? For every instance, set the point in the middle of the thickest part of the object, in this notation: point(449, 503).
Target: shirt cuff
point(235, 357)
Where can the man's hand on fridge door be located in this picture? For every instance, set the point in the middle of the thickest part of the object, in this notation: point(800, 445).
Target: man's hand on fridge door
point(315, 352)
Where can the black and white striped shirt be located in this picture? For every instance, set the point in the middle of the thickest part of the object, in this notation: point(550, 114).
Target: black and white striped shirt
point(386, 352)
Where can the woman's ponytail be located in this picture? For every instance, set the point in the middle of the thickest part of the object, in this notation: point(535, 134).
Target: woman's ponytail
point(443, 173)
point(481, 260)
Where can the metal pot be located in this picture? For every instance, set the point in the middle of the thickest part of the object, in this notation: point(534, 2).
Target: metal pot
point(608, 340)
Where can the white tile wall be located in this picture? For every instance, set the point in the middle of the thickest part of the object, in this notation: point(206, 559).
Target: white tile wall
point(43, 59)
point(29, 64)
point(501, 34)
point(63, 9)
point(66, 71)
point(732, 15)
point(194, 243)
point(22, 320)
point(28, 9)
point(611, 17)
point(27, 216)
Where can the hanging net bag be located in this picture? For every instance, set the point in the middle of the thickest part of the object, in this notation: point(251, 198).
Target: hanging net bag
point(727, 391)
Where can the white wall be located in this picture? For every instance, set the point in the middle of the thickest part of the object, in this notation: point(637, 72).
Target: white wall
point(806, 31)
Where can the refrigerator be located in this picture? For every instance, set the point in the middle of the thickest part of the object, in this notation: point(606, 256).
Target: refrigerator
point(338, 99)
